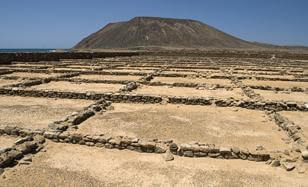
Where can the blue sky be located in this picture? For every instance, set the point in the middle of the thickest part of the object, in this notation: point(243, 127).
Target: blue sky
point(62, 23)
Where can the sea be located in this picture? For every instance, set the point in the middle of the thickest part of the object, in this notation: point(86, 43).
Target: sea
point(29, 50)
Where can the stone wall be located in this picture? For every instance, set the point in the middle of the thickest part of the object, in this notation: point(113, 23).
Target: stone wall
point(147, 146)
point(147, 99)
point(7, 58)
point(24, 146)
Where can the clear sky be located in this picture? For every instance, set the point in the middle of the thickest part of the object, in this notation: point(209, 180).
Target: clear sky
point(62, 23)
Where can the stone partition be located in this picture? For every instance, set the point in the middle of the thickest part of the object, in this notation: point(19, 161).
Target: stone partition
point(24, 146)
point(139, 98)
point(7, 58)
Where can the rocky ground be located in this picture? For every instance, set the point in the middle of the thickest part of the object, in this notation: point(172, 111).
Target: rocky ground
point(154, 121)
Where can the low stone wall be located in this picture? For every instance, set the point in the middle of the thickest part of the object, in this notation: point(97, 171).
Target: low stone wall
point(7, 58)
point(138, 98)
point(292, 130)
point(9, 156)
point(139, 145)
point(93, 81)
point(78, 117)
point(5, 72)
point(293, 89)
point(29, 83)
point(233, 54)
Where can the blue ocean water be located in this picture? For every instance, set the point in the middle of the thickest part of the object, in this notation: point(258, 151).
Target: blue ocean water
point(26, 50)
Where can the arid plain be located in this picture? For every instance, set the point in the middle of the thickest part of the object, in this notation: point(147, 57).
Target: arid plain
point(154, 120)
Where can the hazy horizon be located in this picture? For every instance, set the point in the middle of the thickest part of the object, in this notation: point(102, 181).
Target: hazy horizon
point(61, 24)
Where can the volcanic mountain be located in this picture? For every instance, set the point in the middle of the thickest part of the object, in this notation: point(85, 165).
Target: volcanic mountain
point(161, 32)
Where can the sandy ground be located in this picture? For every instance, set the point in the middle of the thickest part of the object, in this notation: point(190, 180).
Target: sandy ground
point(82, 67)
point(179, 72)
point(277, 76)
point(299, 118)
point(67, 69)
point(91, 166)
point(130, 70)
point(138, 67)
point(32, 75)
point(281, 84)
point(184, 124)
point(196, 69)
point(294, 96)
point(31, 64)
point(189, 92)
point(36, 113)
point(4, 67)
point(7, 141)
point(6, 82)
point(191, 80)
point(109, 77)
point(78, 87)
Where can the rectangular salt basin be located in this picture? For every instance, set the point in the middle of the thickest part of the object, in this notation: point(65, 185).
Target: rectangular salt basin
point(280, 96)
point(32, 75)
point(6, 82)
point(299, 118)
point(82, 67)
point(186, 123)
point(280, 84)
point(35, 113)
point(189, 92)
point(172, 80)
point(78, 87)
point(109, 77)
point(130, 70)
point(77, 165)
point(179, 72)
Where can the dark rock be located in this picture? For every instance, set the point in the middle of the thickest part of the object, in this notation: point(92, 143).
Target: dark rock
point(22, 140)
point(200, 154)
point(235, 150)
point(213, 155)
point(275, 163)
point(188, 154)
point(160, 149)
point(40, 139)
point(225, 150)
point(168, 156)
point(289, 166)
point(305, 155)
point(173, 148)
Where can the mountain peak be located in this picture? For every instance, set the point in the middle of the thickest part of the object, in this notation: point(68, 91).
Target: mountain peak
point(161, 32)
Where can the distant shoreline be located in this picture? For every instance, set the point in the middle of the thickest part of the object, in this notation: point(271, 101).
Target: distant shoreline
point(21, 50)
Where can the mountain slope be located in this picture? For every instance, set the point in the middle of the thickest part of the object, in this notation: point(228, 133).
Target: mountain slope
point(161, 32)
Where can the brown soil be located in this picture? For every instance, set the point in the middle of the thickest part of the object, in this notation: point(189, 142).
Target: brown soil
point(27, 65)
point(189, 92)
point(281, 84)
point(36, 113)
point(130, 70)
point(294, 96)
point(7, 141)
point(4, 82)
point(79, 87)
point(238, 127)
point(192, 80)
point(109, 77)
point(179, 72)
point(82, 67)
point(75, 165)
point(32, 75)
